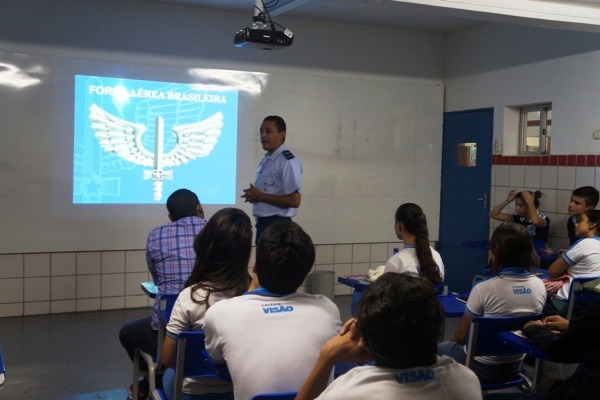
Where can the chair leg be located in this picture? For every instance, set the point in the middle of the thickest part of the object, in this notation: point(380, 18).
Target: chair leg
point(136, 374)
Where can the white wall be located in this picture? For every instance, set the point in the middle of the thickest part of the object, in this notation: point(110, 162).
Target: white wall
point(500, 66)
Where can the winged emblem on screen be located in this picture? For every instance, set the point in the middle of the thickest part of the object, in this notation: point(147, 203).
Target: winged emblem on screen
point(124, 139)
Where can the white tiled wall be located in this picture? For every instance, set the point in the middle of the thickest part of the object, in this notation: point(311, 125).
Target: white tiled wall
point(50, 283)
point(556, 184)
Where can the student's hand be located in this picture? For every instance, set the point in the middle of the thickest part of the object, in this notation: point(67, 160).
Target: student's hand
point(347, 346)
point(511, 195)
point(556, 322)
point(527, 196)
point(531, 323)
point(350, 327)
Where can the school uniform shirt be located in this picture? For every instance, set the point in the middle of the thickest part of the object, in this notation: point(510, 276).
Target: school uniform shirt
point(537, 234)
point(446, 379)
point(512, 292)
point(188, 315)
point(584, 261)
point(170, 256)
point(269, 342)
point(278, 174)
point(406, 261)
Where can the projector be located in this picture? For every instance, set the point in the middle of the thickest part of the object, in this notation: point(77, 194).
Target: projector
point(266, 39)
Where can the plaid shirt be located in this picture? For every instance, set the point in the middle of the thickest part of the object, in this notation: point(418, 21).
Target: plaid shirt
point(170, 256)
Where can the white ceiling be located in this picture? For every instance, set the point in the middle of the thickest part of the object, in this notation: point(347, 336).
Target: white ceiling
point(441, 16)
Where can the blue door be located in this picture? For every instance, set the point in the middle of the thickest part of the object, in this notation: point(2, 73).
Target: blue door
point(465, 197)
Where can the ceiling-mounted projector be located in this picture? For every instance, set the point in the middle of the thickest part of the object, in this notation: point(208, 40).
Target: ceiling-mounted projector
point(260, 36)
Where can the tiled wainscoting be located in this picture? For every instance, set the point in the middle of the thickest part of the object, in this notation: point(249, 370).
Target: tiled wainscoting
point(50, 283)
point(555, 176)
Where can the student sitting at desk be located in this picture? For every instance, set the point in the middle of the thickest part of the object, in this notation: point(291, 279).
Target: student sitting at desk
point(270, 336)
point(417, 256)
point(511, 291)
point(575, 341)
point(399, 320)
point(223, 250)
point(526, 214)
point(578, 261)
point(583, 198)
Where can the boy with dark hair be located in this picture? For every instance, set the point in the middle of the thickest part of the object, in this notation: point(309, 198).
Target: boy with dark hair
point(582, 199)
point(398, 324)
point(270, 336)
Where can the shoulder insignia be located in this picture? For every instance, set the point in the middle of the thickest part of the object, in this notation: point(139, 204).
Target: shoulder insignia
point(287, 154)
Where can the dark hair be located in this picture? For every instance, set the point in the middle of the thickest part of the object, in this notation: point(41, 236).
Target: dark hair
point(285, 255)
point(589, 194)
point(511, 245)
point(414, 221)
point(536, 197)
point(400, 318)
point(279, 122)
point(593, 217)
point(223, 250)
point(182, 203)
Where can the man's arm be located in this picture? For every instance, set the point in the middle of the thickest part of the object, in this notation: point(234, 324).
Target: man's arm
point(347, 346)
point(254, 195)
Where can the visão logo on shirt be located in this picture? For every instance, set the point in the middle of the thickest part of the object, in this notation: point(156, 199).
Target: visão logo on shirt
point(521, 290)
point(276, 308)
point(415, 376)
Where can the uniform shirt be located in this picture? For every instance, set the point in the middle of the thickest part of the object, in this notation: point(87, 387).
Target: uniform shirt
point(584, 261)
point(189, 316)
point(406, 261)
point(269, 342)
point(537, 234)
point(446, 379)
point(170, 256)
point(512, 292)
point(278, 174)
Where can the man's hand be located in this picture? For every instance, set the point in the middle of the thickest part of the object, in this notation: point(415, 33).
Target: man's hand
point(251, 195)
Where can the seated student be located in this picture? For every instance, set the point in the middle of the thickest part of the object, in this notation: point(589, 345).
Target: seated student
point(399, 320)
point(575, 341)
point(582, 199)
point(417, 256)
point(526, 214)
point(223, 250)
point(511, 291)
point(578, 261)
point(270, 336)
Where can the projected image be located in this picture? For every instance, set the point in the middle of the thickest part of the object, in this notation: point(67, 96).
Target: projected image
point(138, 141)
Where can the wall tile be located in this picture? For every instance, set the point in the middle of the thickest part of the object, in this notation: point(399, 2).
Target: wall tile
point(113, 285)
point(137, 302)
point(88, 286)
point(359, 268)
point(342, 253)
point(503, 175)
point(63, 306)
point(548, 201)
point(63, 264)
point(133, 282)
point(563, 197)
point(37, 308)
point(342, 290)
point(63, 287)
point(37, 264)
point(89, 263)
point(11, 310)
point(11, 266)
point(549, 177)
point(37, 289)
point(11, 290)
point(324, 254)
point(84, 305)
point(135, 261)
point(566, 178)
point(517, 176)
point(113, 262)
point(113, 303)
point(361, 252)
point(585, 176)
point(532, 177)
point(379, 253)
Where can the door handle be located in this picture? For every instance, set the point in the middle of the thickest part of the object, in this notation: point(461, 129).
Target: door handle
point(484, 199)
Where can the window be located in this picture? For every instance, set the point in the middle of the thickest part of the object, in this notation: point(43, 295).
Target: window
point(536, 128)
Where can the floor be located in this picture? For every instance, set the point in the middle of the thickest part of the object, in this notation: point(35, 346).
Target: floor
point(73, 356)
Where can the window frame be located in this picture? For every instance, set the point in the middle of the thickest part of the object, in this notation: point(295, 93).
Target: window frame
point(544, 122)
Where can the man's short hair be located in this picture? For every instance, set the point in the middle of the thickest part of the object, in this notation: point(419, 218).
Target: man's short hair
point(182, 203)
point(285, 255)
point(399, 319)
point(279, 122)
point(589, 194)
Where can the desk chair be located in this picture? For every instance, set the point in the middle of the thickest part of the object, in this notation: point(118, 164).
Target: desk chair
point(484, 341)
point(189, 363)
point(276, 396)
point(167, 301)
point(1, 370)
point(577, 297)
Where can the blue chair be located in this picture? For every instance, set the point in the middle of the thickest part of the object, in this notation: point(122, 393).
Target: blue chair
point(167, 301)
point(1, 369)
point(189, 363)
point(577, 297)
point(276, 396)
point(484, 340)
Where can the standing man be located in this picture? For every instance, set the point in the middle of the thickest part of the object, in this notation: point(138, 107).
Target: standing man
point(170, 257)
point(275, 194)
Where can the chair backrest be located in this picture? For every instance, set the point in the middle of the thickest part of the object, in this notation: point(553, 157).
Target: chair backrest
point(484, 339)
point(276, 396)
point(189, 362)
point(577, 297)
